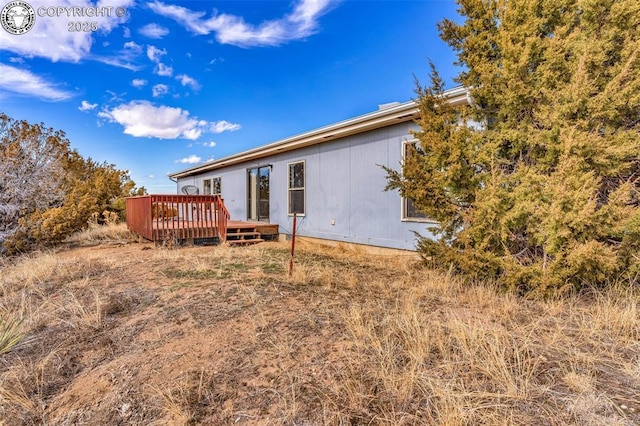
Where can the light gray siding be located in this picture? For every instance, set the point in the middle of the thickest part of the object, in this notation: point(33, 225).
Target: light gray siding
point(344, 184)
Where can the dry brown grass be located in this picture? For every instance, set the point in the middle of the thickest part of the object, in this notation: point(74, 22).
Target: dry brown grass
point(135, 334)
point(111, 233)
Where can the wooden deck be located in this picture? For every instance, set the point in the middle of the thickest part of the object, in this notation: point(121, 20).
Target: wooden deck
point(190, 218)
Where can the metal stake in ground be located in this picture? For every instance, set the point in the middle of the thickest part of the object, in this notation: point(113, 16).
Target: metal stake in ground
point(293, 243)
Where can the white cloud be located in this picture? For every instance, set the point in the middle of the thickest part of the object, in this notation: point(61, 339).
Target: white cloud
point(209, 144)
point(151, 176)
point(115, 97)
point(230, 29)
point(24, 82)
point(154, 54)
point(192, 159)
point(50, 37)
point(132, 45)
point(192, 134)
point(126, 32)
point(188, 81)
point(144, 119)
point(163, 70)
point(153, 31)
point(117, 62)
point(160, 90)
point(223, 126)
point(86, 106)
point(139, 82)
point(16, 60)
point(123, 58)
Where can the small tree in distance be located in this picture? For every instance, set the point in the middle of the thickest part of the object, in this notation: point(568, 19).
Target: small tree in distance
point(545, 196)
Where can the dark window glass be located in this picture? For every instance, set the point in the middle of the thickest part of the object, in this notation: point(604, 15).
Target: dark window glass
point(296, 201)
point(296, 188)
point(296, 175)
point(217, 186)
point(258, 193)
point(410, 211)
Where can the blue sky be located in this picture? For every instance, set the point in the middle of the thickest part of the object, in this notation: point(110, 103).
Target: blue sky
point(170, 84)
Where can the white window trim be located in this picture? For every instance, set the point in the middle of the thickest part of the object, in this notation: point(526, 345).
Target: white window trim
point(403, 200)
point(304, 188)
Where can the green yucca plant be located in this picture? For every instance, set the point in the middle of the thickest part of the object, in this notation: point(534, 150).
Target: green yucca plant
point(11, 334)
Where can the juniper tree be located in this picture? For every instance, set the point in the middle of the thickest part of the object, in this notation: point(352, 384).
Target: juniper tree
point(47, 190)
point(545, 197)
point(31, 169)
point(90, 188)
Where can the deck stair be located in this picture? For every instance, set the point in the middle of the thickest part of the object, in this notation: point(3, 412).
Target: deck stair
point(244, 233)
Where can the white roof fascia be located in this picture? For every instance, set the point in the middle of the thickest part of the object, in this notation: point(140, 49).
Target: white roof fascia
point(404, 112)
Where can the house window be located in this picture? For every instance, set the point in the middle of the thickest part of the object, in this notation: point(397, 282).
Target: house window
point(409, 211)
point(296, 190)
point(212, 186)
point(216, 186)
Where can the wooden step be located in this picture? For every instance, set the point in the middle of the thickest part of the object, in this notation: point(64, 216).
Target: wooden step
point(244, 229)
point(244, 242)
point(243, 234)
point(247, 233)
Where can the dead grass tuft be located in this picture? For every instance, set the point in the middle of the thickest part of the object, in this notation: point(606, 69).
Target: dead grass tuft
point(78, 314)
point(110, 233)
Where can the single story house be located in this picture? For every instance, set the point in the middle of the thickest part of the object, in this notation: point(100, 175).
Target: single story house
point(330, 177)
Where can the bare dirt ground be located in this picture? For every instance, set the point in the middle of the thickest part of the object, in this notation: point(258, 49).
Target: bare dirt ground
point(126, 333)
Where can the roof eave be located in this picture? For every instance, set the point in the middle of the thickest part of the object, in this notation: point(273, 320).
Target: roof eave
point(398, 114)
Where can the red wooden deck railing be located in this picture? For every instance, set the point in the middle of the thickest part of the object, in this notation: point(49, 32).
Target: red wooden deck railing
point(156, 217)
